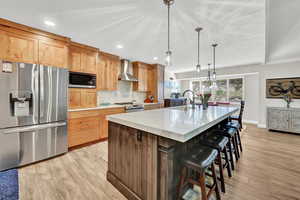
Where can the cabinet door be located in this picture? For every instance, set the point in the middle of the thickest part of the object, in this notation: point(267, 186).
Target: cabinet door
point(74, 98)
point(107, 73)
point(53, 53)
point(112, 69)
point(75, 59)
point(295, 122)
point(279, 119)
point(18, 47)
point(83, 130)
point(132, 156)
point(101, 74)
point(88, 99)
point(89, 62)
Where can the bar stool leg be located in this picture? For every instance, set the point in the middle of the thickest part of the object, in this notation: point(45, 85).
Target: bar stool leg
point(227, 161)
point(240, 141)
point(231, 154)
point(221, 172)
point(216, 181)
point(203, 186)
point(181, 182)
point(236, 150)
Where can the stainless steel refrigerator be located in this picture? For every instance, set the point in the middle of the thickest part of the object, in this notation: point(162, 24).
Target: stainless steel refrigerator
point(33, 113)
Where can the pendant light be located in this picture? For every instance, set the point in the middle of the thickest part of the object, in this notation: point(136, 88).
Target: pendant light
point(214, 75)
point(168, 3)
point(209, 73)
point(198, 67)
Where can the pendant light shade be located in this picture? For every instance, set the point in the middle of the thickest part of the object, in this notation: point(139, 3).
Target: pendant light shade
point(214, 85)
point(198, 67)
point(214, 75)
point(168, 60)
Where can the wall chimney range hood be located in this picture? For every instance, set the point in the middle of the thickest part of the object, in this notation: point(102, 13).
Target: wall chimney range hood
point(125, 75)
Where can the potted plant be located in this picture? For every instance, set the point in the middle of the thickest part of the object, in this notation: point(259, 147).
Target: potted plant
point(204, 99)
point(288, 99)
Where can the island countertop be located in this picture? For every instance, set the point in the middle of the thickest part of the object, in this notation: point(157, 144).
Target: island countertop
point(177, 123)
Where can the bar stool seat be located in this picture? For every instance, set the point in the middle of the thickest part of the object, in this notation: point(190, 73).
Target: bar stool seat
point(216, 141)
point(234, 124)
point(198, 160)
point(201, 157)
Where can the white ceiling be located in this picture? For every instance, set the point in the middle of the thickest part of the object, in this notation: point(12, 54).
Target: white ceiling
point(140, 26)
point(283, 30)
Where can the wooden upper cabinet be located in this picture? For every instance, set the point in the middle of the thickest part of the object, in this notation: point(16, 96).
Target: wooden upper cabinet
point(142, 72)
point(82, 98)
point(18, 46)
point(108, 71)
point(74, 98)
point(53, 53)
point(83, 58)
point(75, 59)
point(20, 43)
point(89, 59)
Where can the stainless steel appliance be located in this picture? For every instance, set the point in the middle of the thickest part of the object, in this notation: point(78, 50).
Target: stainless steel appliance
point(82, 80)
point(33, 120)
point(132, 106)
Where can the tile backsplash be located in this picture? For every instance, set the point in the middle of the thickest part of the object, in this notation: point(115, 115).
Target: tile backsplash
point(124, 93)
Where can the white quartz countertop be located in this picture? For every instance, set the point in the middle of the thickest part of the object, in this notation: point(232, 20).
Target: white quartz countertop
point(105, 107)
point(97, 108)
point(177, 123)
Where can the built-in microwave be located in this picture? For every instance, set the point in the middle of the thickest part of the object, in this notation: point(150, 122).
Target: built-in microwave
point(82, 80)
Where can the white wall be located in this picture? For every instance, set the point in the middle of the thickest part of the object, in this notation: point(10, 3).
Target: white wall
point(251, 91)
point(255, 86)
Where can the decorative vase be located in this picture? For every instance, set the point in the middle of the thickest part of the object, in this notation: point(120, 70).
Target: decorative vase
point(204, 100)
point(205, 105)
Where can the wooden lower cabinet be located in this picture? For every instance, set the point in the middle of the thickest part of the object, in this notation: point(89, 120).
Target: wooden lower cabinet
point(132, 160)
point(89, 126)
point(83, 130)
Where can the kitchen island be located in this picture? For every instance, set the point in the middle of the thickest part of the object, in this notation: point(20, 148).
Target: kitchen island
point(145, 148)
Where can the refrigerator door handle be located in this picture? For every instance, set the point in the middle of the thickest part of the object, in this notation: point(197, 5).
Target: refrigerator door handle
point(32, 128)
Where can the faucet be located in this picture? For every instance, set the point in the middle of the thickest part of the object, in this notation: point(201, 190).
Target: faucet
point(186, 91)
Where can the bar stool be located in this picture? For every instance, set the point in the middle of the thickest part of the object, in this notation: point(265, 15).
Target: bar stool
point(199, 159)
point(219, 142)
point(231, 134)
point(236, 125)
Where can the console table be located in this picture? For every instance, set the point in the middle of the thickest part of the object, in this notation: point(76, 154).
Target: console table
point(283, 119)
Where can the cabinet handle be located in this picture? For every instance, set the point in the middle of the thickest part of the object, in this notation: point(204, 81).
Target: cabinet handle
point(139, 136)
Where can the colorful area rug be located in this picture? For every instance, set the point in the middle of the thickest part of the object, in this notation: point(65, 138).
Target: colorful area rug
point(9, 185)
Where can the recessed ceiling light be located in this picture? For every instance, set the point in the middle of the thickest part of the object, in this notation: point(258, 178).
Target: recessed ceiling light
point(49, 23)
point(155, 58)
point(119, 46)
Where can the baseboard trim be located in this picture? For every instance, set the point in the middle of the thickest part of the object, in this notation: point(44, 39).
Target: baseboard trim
point(250, 122)
point(262, 126)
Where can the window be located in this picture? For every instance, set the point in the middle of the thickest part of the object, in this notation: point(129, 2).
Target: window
point(221, 93)
point(236, 90)
point(229, 90)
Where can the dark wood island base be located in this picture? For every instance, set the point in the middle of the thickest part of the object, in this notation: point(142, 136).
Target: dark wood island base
point(143, 166)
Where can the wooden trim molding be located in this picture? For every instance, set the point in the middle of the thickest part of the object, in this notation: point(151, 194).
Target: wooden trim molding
point(8, 23)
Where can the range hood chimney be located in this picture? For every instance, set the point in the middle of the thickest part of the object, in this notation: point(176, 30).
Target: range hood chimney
point(125, 75)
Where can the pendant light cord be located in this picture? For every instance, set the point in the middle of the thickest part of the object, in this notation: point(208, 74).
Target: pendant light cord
point(198, 47)
point(168, 27)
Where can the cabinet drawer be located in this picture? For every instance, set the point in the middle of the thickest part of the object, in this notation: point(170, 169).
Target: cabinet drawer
point(83, 130)
point(84, 123)
point(82, 137)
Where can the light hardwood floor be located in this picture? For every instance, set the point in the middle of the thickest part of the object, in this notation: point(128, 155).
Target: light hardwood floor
point(268, 170)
